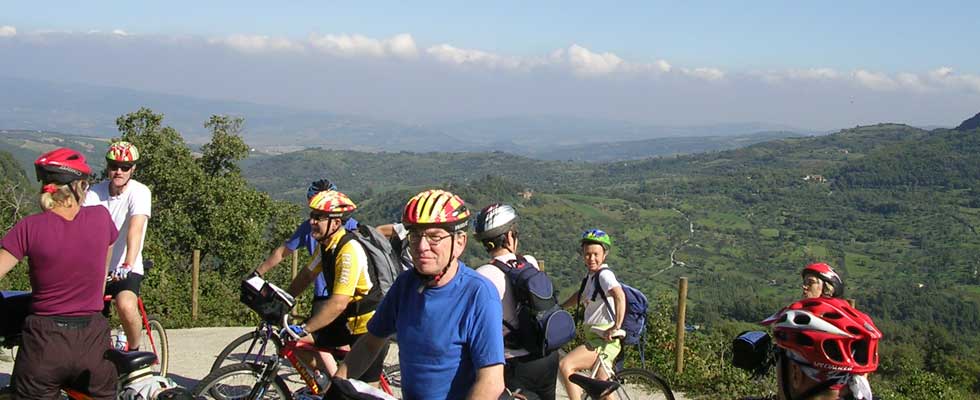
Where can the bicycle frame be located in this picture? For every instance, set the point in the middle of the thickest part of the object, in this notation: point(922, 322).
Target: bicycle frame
point(290, 347)
point(146, 322)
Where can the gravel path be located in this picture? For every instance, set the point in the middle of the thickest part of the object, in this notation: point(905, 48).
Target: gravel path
point(192, 351)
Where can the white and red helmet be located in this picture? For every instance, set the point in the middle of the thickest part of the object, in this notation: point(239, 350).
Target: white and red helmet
point(826, 273)
point(828, 334)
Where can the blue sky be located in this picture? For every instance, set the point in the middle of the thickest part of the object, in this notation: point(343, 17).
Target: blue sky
point(624, 52)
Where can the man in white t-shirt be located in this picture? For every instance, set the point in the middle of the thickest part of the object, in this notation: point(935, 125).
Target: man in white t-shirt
point(129, 205)
point(496, 228)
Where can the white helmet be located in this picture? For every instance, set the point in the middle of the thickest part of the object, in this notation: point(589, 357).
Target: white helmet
point(494, 220)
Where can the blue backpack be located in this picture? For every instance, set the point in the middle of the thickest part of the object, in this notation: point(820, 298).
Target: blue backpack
point(543, 326)
point(635, 321)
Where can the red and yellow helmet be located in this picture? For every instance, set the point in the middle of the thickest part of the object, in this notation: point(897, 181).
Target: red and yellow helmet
point(334, 203)
point(122, 152)
point(436, 208)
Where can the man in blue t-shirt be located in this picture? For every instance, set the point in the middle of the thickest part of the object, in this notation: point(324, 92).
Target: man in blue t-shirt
point(447, 317)
point(302, 238)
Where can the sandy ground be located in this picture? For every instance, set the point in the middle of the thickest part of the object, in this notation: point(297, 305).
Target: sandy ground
point(192, 351)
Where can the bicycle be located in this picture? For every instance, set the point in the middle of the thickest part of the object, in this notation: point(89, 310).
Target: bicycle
point(152, 332)
point(253, 347)
point(261, 380)
point(137, 378)
point(627, 383)
point(260, 370)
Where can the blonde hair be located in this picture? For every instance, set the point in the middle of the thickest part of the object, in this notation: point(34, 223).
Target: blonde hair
point(63, 196)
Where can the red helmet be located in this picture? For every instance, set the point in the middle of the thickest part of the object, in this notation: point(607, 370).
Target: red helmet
point(436, 208)
point(826, 274)
point(62, 165)
point(828, 334)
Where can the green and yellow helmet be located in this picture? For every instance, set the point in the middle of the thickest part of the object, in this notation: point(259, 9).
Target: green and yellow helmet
point(122, 152)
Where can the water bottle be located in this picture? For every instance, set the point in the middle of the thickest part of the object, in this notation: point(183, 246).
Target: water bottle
point(121, 343)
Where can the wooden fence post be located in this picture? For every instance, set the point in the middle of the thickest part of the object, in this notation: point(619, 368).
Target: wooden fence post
point(681, 316)
point(295, 263)
point(195, 280)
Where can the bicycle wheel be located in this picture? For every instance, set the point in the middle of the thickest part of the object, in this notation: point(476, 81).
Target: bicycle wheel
point(245, 348)
point(236, 381)
point(393, 374)
point(642, 384)
point(156, 341)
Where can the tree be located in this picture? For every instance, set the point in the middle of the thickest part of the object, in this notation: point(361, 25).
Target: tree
point(226, 146)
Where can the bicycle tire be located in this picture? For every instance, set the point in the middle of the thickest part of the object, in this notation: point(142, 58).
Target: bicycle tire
point(238, 351)
point(642, 384)
point(160, 345)
point(235, 381)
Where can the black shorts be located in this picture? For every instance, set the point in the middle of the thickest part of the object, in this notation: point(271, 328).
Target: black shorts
point(535, 375)
point(64, 352)
point(131, 283)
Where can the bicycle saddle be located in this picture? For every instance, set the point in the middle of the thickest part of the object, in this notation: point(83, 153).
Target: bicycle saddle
point(596, 388)
point(129, 361)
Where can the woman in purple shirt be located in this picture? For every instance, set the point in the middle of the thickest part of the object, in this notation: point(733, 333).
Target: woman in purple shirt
point(65, 334)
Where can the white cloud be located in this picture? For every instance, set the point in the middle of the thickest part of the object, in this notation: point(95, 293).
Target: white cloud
point(451, 55)
point(708, 74)
point(119, 32)
point(588, 63)
point(401, 45)
point(7, 31)
point(874, 80)
point(257, 43)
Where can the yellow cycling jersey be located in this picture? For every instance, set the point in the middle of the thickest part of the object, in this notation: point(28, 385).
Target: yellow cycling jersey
point(350, 274)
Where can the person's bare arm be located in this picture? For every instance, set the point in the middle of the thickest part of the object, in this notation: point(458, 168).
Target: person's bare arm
point(571, 300)
point(364, 352)
point(619, 298)
point(489, 383)
point(302, 280)
point(336, 304)
point(134, 238)
point(274, 259)
point(7, 262)
point(388, 230)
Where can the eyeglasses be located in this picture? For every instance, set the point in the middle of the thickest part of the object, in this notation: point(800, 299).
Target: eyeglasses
point(810, 281)
point(318, 216)
point(433, 240)
point(121, 167)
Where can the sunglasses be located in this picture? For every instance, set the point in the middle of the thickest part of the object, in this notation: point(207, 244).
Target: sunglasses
point(318, 216)
point(121, 167)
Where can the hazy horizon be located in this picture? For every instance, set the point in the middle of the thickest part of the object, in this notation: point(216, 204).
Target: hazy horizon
point(652, 63)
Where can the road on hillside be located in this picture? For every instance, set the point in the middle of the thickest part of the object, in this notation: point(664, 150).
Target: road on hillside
point(192, 351)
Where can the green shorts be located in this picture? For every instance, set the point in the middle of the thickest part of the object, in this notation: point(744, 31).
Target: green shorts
point(594, 341)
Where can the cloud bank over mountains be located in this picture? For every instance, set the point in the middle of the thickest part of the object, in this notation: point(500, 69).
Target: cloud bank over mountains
point(397, 77)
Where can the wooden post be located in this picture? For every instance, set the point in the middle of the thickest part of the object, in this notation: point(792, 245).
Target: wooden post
point(195, 280)
point(681, 316)
point(295, 263)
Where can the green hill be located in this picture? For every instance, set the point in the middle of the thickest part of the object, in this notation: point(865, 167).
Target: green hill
point(893, 207)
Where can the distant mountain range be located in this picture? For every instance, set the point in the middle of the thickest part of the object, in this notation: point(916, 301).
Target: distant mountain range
point(92, 110)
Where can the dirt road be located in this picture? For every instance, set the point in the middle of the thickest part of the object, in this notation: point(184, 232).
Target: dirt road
point(192, 351)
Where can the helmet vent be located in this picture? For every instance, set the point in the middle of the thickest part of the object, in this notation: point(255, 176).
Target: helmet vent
point(854, 330)
point(801, 319)
point(832, 350)
point(860, 352)
point(803, 339)
point(832, 315)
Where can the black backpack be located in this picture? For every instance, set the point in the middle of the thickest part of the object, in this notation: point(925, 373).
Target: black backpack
point(543, 326)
